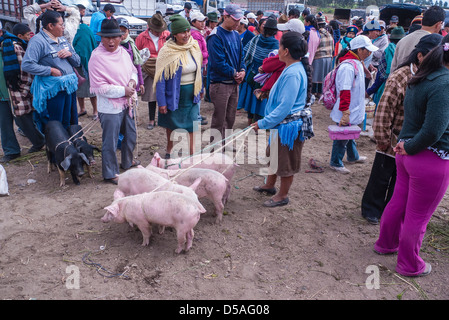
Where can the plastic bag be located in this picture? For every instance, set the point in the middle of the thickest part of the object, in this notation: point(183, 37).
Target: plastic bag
point(3, 182)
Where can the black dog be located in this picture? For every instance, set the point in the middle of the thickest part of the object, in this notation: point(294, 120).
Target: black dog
point(77, 137)
point(62, 153)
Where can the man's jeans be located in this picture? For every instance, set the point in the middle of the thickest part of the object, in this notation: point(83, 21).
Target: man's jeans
point(339, 148)
point(10, 144)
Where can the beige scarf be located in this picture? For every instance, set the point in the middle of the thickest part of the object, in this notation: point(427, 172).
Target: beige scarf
point(172, 55)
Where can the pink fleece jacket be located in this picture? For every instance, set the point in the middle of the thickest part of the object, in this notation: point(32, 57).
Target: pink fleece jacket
point(198, 36)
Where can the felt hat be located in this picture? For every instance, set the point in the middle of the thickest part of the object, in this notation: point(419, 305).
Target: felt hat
point(397, 33)
point(110, 28)
point(212, 16)
point(271, 23)
point(157, 23)
point(178, 24)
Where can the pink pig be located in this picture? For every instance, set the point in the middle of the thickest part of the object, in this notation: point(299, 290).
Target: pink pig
point(165, 208)
point(217, 161)
point(140, 180)
point(213, 186)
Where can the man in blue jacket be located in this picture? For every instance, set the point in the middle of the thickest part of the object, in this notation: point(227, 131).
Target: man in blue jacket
point(226, 68)
point(98, 17)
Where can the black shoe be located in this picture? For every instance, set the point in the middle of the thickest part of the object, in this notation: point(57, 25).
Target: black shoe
point(35, 149)
point(372, 220)
point(271, 191)
point(9, 157)
point(271, 203)
point(113, 180)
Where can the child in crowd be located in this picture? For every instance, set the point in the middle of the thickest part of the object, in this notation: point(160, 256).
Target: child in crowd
point(350, 106)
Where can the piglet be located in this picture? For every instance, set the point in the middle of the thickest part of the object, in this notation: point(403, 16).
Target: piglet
point(214, 186)
point(79, 140)
point(140, 180)
point(165, 208)
point(62, 153)
point(217, 161)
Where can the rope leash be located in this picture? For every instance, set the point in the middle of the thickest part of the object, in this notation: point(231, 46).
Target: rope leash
point(208, 147)
point(102, 270)
point(239, 134)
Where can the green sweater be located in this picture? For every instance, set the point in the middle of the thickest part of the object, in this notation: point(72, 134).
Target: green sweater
point(426, 114)
point(4, 95)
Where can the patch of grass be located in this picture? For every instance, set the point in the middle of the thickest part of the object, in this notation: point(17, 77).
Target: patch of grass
point(437, 236)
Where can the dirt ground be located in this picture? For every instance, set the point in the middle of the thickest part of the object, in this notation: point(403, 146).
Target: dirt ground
point(316, 248)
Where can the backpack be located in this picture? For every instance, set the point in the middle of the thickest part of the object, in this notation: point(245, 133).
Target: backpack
point(329, 96)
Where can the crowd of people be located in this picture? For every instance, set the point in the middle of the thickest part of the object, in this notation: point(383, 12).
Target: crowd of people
point(273, 68)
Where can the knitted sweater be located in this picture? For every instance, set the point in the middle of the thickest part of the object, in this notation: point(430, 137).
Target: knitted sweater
point(426, 114)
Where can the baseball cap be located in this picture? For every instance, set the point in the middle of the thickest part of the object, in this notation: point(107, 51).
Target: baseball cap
point(234, 11)
point(196, 15)
point(362, 42)
point(244, 20)
point(251, 16)
point(292, 25)
point(394, 19)
point(122, 22)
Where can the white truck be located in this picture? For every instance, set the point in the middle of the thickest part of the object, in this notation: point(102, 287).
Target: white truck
point(295, 5)
point(136, 25)
point(205, 6)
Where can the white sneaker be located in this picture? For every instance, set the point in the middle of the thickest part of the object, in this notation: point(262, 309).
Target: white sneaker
point(342, 170)
point(361, 159)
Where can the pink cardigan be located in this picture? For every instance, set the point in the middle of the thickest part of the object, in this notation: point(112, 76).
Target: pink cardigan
point(198, 36)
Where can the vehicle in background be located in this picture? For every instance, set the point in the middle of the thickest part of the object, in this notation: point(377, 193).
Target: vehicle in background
point(136, 25)
point(294, 5)
point(344, 16)
point(268, 13)
point(372, 12)
point(406, 13)
point(205, 6)
point(360, 13)
point(267, 5)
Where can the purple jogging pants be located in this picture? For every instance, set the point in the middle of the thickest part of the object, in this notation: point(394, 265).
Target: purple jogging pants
point(422, 181)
